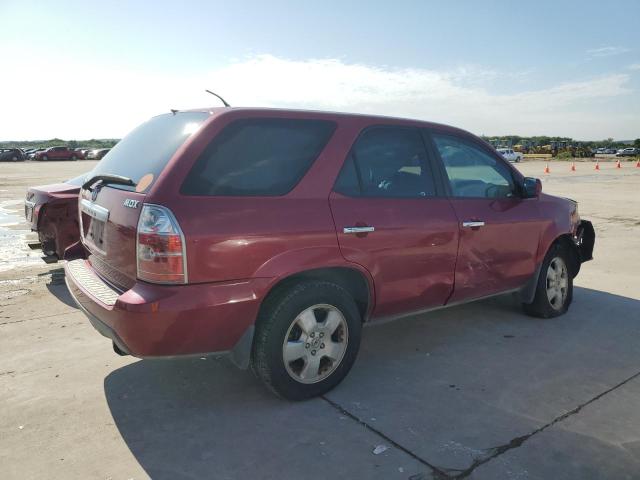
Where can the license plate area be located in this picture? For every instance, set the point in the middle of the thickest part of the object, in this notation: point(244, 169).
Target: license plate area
point(95, 233)
point(98, 217)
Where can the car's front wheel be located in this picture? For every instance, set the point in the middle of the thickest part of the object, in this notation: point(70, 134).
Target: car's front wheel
point(554, 291)
point(307, 338)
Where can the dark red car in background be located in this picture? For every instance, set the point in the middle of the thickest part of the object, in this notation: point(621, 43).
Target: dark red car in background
point(275, 234)
point(52, 211)
point(59, 153)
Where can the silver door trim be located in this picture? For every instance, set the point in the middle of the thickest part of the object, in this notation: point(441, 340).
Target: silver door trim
point(474, 224)
point(358, 229)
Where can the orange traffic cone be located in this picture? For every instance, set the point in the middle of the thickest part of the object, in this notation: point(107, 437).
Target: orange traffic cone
point(597, 165)
point(618, 164)
point(638, 164)
point(573, 166)
point(546, 169)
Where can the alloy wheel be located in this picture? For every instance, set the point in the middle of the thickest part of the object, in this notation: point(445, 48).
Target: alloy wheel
point(557, 283)
point(315, 343)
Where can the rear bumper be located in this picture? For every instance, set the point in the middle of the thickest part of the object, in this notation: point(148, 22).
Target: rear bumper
point(102, 328)
point(160, 320)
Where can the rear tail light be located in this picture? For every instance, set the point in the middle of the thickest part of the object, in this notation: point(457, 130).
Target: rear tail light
point(160, 247)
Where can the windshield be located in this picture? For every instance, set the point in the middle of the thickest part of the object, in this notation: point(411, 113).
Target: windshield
point(148, 148)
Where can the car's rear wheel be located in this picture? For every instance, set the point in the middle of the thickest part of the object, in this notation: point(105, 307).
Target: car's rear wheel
point(554, 291)
point(73, 157)
point(307, 338)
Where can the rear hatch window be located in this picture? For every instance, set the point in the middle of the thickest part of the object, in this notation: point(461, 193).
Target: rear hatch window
point(148, 148)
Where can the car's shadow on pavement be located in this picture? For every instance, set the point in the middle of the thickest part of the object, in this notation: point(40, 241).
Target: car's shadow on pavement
point(57, 287)
point(448, 386)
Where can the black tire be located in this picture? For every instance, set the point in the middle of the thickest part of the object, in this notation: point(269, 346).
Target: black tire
point(541, 306)
point(44, 158)
point(274, 323)
point(74, 158)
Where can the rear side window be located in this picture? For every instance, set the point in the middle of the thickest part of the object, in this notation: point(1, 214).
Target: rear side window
point(259, 156)
point(149, 147)
point(387, 162)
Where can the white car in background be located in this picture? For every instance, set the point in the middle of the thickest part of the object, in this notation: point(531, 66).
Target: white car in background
point(510, 154)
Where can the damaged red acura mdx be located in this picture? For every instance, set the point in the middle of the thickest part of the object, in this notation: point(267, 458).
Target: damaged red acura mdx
point(274, 235)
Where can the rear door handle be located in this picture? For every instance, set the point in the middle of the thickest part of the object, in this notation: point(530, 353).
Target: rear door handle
point(473, 224)
point(366, 229)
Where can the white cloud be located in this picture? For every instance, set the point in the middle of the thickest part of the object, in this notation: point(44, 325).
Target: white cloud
point(606, 51)
point(80, 101)
point(634, 66)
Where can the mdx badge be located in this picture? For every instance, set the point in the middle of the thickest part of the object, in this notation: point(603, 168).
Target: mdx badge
point(130, 203)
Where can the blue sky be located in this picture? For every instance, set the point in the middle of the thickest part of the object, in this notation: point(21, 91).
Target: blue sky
point(96, 69)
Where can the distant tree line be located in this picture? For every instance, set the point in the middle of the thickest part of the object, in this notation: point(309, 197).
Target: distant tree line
point(539, 141)
point(94, 143)
point(506, 140)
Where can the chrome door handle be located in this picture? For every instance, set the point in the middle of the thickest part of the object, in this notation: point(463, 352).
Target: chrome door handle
point(474, 224)
point(358, 229)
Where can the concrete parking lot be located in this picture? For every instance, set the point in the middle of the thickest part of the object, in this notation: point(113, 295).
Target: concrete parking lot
point(479, 391)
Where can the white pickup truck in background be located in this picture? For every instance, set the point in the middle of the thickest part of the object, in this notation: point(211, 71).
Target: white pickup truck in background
point(510, 154)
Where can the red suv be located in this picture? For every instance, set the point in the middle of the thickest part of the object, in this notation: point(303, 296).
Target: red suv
point(275, 234)
point(59, 153)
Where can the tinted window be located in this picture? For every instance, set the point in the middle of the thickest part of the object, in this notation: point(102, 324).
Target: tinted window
point(387, 162)
point(258, 157)
point(348, 182)
point(149, 147)
point(472, 171)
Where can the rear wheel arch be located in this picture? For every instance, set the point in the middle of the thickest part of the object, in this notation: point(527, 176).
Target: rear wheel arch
point(350, 279)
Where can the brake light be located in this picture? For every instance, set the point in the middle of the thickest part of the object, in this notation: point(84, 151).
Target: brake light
point(160, 247)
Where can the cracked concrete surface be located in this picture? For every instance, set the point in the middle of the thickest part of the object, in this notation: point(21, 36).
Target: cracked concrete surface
point(492, 453)
point(479, 391)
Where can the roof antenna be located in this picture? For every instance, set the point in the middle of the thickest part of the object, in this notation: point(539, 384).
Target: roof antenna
point(216, 95)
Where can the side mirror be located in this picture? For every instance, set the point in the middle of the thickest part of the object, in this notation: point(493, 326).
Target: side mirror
point(531, 187)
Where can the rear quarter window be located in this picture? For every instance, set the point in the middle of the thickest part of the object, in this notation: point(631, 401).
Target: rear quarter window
point(258, 157)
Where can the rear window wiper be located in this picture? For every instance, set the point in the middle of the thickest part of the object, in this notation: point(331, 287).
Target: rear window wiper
point(107, 178)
